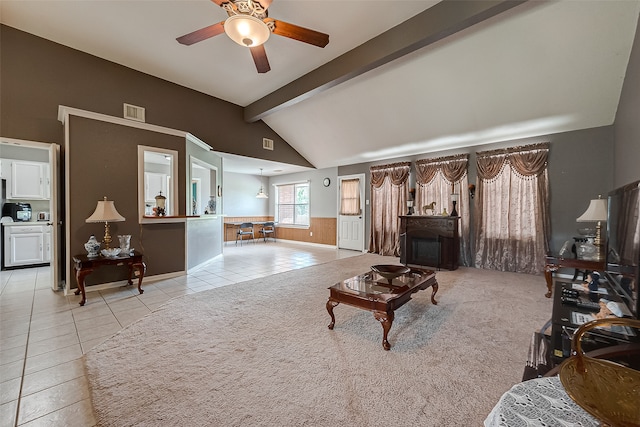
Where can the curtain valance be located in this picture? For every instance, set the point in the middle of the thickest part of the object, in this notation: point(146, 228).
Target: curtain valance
point(398, 173)
point(453, 168)
point(526, 161)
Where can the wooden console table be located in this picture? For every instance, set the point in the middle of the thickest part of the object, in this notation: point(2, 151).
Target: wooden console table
point(554, 263)
point(85, 266)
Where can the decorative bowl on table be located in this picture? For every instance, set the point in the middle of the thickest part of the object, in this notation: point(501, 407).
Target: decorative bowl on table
point(389, 271)
point(111, 253)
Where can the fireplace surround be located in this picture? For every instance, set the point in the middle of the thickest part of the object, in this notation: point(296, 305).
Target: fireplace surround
point(431, 241)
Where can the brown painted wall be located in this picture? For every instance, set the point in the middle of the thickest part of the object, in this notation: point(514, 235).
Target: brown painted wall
point(103, 161)
point(37, 75)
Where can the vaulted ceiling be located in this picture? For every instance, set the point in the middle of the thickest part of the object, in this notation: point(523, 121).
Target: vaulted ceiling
point(452, 74)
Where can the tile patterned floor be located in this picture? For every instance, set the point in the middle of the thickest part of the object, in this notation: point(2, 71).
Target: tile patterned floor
point(43, 334)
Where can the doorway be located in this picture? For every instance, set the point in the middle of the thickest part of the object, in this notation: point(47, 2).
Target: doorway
point(351, 222)
point(45, 159)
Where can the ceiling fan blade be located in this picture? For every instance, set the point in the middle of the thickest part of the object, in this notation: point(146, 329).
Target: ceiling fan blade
point(202, 34)
point(260, 58)
point(302, 34)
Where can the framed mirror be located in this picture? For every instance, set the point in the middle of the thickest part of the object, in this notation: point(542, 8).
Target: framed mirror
point(157, 176)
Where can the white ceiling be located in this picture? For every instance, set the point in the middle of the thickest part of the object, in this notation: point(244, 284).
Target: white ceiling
point(541, 67)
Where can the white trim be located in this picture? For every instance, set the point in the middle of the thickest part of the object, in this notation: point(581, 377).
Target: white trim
point(64, 112)
point(197, 141)
point(121, 283)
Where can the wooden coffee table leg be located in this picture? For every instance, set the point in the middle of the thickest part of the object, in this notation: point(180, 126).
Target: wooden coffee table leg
point(330, 304)
point(386, 319)
point(433, 293)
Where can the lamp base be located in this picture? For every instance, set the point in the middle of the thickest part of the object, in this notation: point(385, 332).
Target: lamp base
point(107, 236)
point(454, 212)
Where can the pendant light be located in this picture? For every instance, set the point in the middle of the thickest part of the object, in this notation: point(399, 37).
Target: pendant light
point(261, 194)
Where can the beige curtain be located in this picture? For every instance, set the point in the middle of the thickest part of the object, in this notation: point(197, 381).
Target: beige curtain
point(389, 193)
point(511, 213)
point(436, 180)
point(350, 197)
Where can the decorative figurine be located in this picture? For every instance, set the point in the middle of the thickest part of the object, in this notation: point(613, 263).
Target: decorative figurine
point(592, 282)
point(431, 206)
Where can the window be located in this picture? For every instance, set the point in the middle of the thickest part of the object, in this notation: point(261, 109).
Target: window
point(292, 204)
point(350, 197)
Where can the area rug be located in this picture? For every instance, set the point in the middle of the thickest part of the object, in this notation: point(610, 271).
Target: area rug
point(259, 353)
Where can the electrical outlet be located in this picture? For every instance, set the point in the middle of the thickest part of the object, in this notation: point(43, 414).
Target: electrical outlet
point(311, 233)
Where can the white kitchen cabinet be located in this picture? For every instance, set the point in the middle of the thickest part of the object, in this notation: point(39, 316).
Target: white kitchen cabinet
point(26, 245)
point(28, 180)
point(46, 244)
point(154, 184)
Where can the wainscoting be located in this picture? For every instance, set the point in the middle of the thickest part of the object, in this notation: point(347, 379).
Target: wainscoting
point(322, 230)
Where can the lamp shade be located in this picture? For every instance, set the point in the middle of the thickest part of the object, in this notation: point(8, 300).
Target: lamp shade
point(246, 30)
point(597, 211)
point(105, 212)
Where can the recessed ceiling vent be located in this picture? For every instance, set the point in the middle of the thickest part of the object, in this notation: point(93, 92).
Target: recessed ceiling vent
point(267, 144)
point(133, 112)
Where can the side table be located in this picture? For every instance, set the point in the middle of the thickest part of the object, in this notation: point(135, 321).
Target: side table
point(85, 266)
point(554, 263)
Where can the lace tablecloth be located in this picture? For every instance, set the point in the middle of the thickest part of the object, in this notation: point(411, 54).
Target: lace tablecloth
point(538, 402)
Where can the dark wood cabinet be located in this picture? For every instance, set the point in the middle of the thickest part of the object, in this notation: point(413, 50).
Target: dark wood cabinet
point(431, 241)
point(567, 317)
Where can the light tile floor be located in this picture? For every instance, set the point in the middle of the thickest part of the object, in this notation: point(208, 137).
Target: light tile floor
point(43, 333)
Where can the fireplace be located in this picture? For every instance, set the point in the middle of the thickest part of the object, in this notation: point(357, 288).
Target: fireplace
point(429, 241)
point(425, 251)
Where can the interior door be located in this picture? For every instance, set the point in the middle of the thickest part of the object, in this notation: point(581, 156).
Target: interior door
point(351, 226)
point(55, 221)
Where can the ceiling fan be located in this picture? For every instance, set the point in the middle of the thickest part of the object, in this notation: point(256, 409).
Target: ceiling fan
point(248, 25)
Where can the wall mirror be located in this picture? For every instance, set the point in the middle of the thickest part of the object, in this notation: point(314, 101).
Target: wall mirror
point(203, 192)
point(157, 175)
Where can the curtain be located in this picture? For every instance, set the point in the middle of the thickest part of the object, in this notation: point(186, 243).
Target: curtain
point(350, 197)
point(436, 180)
point(511, 213)
point(389, 193)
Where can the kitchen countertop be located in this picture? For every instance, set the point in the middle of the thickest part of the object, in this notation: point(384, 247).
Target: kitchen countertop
point(24, 223)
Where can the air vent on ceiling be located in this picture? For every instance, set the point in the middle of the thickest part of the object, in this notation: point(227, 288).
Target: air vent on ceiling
point(267, 144)
point(133, 112)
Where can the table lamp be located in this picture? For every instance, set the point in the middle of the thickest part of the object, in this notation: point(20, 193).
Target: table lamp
point(105, 212)
point(596, 212)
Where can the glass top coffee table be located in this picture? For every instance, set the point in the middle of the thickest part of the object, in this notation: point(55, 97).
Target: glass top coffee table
point(370, 291)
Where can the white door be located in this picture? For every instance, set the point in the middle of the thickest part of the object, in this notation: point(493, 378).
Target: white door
point(55, 222)
point(351, 226)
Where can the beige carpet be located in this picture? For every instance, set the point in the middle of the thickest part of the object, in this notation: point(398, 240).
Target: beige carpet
point(259, 353)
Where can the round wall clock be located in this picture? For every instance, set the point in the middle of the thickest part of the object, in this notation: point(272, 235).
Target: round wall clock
point(326, 182)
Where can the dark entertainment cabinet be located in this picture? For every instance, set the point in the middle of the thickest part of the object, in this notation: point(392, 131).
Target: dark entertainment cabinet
point(431, 241)
point(563, 325)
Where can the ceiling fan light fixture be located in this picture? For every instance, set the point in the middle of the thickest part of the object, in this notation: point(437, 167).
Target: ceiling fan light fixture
point(246, 30)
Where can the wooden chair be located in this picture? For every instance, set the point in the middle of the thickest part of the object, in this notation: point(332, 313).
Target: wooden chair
point(245, 229)
point(268, 228)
